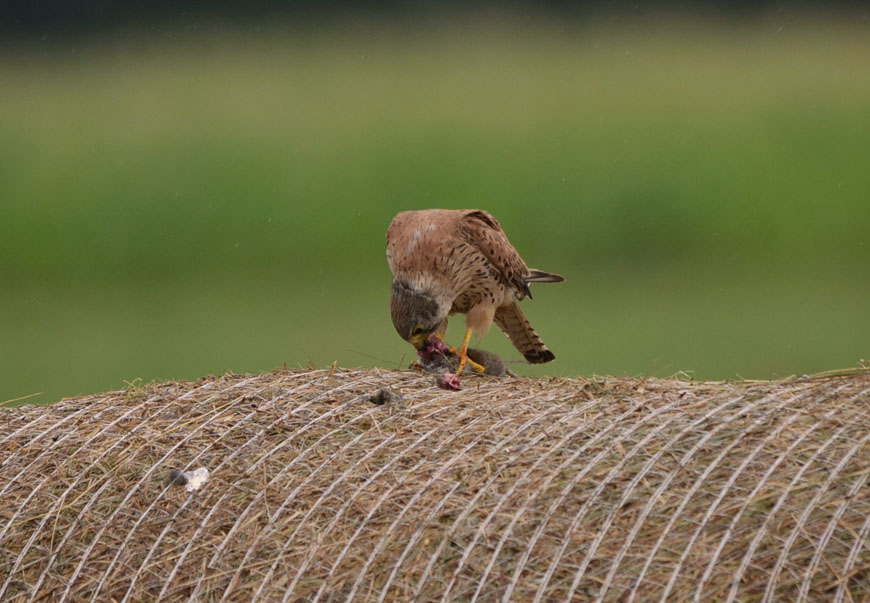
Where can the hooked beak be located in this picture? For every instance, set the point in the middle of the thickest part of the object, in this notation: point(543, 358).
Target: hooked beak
point(419, 341)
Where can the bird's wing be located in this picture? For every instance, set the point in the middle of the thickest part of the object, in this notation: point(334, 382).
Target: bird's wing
point(482, 230)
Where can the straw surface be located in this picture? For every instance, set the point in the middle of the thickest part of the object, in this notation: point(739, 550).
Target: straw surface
point(323, 487)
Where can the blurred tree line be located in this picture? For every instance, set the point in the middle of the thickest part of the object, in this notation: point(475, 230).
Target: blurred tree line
point(24, 18)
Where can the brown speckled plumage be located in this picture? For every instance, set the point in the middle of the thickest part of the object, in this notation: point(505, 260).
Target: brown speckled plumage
point(460, 261)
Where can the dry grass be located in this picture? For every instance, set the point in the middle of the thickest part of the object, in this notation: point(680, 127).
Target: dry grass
point(526, 489)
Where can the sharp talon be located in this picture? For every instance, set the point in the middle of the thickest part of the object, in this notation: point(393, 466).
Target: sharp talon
point(463, 352)
point(475, 367)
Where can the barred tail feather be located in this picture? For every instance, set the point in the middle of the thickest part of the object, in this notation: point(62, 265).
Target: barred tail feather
point(512, 321)
point(539, 276)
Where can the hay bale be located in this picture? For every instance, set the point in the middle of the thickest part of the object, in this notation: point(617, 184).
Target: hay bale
point(529, 489)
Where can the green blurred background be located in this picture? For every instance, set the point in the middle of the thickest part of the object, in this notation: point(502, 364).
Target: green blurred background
point(176, 202)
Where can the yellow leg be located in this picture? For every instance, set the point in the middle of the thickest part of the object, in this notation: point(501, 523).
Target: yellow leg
point(463, 355)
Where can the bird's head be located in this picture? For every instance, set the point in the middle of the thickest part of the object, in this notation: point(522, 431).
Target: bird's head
point(416, 314)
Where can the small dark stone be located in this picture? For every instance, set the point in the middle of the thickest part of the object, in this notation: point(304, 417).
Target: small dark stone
point(177, 478)
point(385, 396)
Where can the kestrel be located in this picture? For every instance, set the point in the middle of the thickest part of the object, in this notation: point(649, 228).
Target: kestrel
point(460, 261)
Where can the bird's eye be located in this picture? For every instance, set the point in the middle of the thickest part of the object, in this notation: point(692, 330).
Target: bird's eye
point(418, 330)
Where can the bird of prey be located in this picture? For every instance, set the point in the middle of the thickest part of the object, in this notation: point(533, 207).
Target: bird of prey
point(460, 261)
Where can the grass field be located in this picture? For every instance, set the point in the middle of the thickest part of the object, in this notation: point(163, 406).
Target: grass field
point(180, 203)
